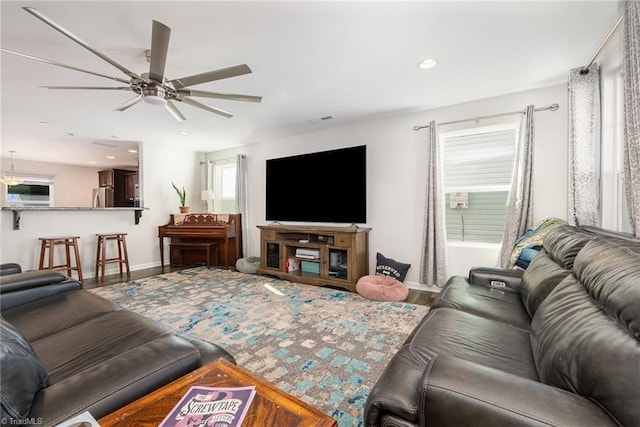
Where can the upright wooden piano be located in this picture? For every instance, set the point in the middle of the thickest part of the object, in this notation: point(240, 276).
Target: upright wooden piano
point(224, 229)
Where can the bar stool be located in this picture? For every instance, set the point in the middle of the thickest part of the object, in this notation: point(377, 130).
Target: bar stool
point(49, 243)
point(101, 256)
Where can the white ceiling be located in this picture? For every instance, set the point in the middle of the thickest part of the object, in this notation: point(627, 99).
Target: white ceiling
point(352, 60)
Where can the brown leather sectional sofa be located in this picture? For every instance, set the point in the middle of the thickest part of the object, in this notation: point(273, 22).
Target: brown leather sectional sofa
point(558, 345)
point(66, 350)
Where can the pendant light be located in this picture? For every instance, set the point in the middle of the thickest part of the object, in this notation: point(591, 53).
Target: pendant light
point(12, 180)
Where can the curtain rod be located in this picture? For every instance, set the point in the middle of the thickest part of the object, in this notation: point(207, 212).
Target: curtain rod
point(585, 69)
point(552, 107)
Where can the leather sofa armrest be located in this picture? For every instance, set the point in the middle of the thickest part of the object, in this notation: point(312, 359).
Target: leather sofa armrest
point(10, 268)
point(21, 288)
point(29, 279)
point(209, 352)
point(496, 278)
point(116, 382)
point(457, 392)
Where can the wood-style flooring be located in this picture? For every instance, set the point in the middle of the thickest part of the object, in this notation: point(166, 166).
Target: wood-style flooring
point(415, 296)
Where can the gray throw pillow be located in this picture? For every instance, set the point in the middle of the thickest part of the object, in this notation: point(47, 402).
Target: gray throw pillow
point(22, 373)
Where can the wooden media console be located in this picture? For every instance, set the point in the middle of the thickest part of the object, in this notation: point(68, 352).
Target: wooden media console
point(315, 255)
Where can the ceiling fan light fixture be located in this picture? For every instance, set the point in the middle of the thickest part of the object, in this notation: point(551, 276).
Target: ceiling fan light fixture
point(152, 87)
point(154, 95)
point(155, 100)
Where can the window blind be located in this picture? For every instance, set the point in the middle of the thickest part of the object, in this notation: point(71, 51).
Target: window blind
point(479, 161)
point(480, 164)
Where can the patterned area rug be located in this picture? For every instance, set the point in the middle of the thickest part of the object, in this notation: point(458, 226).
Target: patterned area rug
point(324, 346)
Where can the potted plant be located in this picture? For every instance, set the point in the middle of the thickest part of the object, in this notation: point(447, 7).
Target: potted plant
point(183, 198)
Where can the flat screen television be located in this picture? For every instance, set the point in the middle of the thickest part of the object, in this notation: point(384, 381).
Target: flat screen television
point(327, 186)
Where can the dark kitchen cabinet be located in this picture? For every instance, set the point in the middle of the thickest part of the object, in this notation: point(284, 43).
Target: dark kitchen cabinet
point(124, 184)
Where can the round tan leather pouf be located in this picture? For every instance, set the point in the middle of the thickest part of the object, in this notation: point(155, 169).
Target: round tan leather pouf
point(382, 288)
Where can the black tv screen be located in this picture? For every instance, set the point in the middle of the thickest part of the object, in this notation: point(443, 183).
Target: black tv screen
point(328, 186)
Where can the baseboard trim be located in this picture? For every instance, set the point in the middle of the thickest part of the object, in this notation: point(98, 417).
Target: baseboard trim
point(422, 287)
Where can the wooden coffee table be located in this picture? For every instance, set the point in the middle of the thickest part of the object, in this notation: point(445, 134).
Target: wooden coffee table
point(270, 406)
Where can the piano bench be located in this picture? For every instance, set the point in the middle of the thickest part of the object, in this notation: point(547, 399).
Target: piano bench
point(179, 248)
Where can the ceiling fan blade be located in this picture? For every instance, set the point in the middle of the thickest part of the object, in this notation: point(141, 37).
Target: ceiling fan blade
point(210, 76)
point(229, 96)
point(206, 107)
point(46, 61)
point(129, 103)
point(87, 87)
point(76, 39)
point(171, 107)
point(159, 47)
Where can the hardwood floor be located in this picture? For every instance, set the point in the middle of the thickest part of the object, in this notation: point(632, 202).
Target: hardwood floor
point(111, 279)
point(415, 296)
point(419, 297)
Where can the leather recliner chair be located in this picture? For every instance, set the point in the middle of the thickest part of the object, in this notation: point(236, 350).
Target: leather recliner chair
point(66, 351)
point(557, 346)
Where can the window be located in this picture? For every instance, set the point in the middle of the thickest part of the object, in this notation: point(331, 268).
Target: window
point(613, 202)
point(33, 191)
point(477, 172)
point(224, 184)
point(624, 220)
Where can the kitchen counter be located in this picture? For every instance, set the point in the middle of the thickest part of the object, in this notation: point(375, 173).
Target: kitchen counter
point(17, 210)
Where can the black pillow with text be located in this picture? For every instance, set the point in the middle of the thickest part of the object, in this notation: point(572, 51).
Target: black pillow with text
point(390, 267)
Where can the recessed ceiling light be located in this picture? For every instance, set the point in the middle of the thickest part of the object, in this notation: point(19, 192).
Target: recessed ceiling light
point(71, 134)
point(92, 162)
point(427, 63)
point(132, 151)
point(44, 123)
point(183, 133)
point(111, 157)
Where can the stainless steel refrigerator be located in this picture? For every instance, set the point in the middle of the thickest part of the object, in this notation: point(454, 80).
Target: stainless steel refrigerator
point(103, 197)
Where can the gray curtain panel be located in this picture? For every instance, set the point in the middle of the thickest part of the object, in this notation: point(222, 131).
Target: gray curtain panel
point(433, 263)
point(631, 142)
point(519, 210)
point(241, 200)
point(584, 146)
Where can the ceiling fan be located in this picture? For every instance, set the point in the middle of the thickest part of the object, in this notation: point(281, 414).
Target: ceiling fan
point(152, 87)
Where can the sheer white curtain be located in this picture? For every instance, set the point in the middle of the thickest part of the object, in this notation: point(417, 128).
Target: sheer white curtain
point(206, 185)
point(584, 146)
point(242, 201)
point(433, 263)
point(631, 142)
point(520, 208)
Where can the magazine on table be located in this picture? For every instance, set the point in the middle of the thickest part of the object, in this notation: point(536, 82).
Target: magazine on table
point(211, 407)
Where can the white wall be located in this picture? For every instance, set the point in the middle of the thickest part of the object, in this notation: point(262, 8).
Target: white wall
point(159, 167)
point(396, 174)
point(395, 186)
